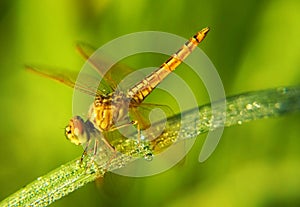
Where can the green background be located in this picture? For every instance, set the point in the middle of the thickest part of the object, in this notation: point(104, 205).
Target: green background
point(253, 44)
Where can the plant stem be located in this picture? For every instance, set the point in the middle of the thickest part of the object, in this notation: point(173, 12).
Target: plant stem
point(239, 109)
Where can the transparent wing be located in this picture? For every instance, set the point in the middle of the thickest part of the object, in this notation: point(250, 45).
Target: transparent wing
point(69, 78)
point(88, 83)
point(114, 75)
point(146, 114)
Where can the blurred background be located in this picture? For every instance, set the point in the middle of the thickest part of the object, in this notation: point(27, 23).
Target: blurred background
point(253, 44)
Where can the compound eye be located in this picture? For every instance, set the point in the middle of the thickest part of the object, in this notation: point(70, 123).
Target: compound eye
point(69, 130)
point(78, 126)
point(74, 130)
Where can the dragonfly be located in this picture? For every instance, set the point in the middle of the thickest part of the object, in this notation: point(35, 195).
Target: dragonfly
point(111, 108)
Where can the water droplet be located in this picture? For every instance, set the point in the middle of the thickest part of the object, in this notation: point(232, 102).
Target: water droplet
point(142, 137)
point(249, 106)
point(256, 104)
point(148, 156)
point(282, 90)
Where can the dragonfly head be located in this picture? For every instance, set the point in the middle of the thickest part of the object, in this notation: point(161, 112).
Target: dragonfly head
point(75, 131)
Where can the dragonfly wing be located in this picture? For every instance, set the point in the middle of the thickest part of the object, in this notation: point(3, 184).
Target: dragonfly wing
point(69, 78)
point(114, 75)
point(157, 127)
point(143, 115)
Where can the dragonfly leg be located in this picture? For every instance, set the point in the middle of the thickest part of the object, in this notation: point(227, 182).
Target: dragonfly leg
point(139, 140)
point(123, 125)
point(85, 151)
point(95, 147)
point(135, 122)
point(112, 148)
point(132, 123)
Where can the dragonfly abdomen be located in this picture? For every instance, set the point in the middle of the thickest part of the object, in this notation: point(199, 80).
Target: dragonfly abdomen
point(142, 89)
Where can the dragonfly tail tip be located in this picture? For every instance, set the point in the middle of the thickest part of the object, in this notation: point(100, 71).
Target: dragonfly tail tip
point(205, 30)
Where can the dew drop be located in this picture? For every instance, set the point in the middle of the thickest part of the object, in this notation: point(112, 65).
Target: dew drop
point(148, 157)
point(277, 105)
point(249, 106)
point(282, 90)
point(256, 104)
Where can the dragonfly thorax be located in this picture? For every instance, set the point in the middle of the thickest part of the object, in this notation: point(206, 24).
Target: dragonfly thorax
point(109, 111)
point(105, 114)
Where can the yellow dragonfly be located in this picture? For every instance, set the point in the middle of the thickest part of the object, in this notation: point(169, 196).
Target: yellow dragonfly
point(110, 110)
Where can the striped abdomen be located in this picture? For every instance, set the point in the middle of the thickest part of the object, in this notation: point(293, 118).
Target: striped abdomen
point(143, 88)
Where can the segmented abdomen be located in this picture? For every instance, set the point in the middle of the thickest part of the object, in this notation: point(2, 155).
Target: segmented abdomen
point(143, 88)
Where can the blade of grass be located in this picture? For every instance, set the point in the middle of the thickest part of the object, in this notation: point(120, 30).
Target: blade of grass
point(239, 109)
